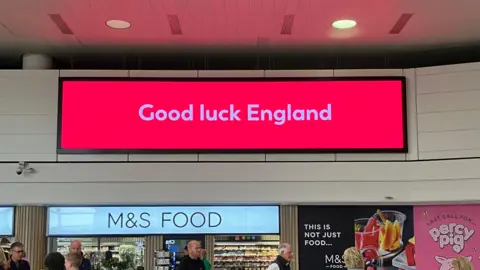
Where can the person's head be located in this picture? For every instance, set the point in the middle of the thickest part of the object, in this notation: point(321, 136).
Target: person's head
point(18, 251)
point(353, 258)
point(194, 249)
point(286, 251)
point(73, 260)
point(75, 246)
point(462, 263)
point(185, 250)
point(54, 261)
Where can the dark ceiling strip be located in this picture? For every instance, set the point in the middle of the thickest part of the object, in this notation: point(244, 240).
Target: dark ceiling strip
point(400, 24)
point(61, 24)
point(287, 24)
point(175, 27)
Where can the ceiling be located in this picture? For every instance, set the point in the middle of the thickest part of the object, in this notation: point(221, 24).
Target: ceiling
point(37, 25)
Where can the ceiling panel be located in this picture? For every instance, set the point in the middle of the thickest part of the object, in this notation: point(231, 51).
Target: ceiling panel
point(222, 27)
point(231, 14)
point(239, 22)
point(195, 14)
point(247, 29)
point(6, 34)
point(147, 27)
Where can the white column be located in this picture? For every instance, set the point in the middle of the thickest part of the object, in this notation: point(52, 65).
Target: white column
point(210, 247)
point(37, 61)
point(289, 229)
point(152, 243)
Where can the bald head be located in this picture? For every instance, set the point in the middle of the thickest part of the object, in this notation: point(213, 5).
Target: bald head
point(76, 247)
point(286, 251)
point(194, 249)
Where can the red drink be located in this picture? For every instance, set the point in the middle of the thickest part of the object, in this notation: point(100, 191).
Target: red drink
point(367, 234)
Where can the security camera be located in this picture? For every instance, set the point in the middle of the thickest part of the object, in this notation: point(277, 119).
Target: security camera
point(19, 170)
point(24, 167)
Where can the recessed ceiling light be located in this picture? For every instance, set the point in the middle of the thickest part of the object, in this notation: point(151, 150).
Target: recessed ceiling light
point(344, 24)
point(118, 24)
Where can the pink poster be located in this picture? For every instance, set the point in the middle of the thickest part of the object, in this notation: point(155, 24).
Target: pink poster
point(444, 232)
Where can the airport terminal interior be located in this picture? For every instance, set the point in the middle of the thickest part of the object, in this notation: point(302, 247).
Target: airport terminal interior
point(239, 135)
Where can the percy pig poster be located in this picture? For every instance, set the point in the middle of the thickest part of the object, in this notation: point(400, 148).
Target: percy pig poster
point(445, 232)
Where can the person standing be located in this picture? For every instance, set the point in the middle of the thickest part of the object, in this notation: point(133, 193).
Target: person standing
point(16, 260)
point(73, 261)
point(193, 261)
point(54, 261)
point(203, 256)
point(185, 252)
point(76, 247)
point(285, 256)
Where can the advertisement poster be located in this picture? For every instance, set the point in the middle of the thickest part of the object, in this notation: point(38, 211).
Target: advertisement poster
point(445, 232)
point(381, 232)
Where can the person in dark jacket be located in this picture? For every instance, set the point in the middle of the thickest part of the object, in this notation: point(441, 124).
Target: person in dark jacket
point(185, 252)
point(76, 247)
point(108, 255)
point(16, 260)
point(285, 256)
point(193, 261)
point(54, 261)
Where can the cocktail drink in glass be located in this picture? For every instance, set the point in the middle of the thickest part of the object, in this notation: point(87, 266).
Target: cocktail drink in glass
point(367, 231)
point(391, 232)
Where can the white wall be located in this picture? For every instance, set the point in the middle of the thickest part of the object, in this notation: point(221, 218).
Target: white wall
point(272, 182)
point(447, 126)
point(448, 99)
point(28, 108)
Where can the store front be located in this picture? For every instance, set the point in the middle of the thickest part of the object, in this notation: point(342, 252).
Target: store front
point(233, 236)
point(6, 227)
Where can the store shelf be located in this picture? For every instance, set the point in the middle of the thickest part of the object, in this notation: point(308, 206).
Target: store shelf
point(5, 243)
point(244, 255)
point(162, 260)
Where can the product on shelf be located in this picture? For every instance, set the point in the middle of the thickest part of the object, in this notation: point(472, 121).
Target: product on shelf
point(244, 255)
point(162, 260)
point(5, 245)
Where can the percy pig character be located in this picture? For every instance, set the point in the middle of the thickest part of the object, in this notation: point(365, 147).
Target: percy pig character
point(460, 263)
